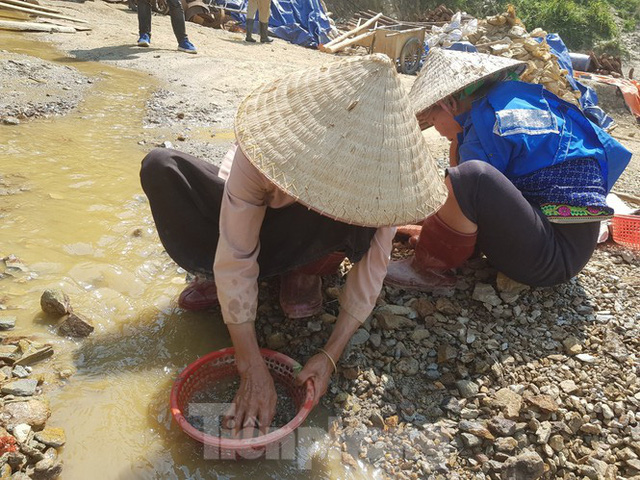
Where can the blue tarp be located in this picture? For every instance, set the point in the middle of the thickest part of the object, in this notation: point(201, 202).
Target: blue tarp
point(463, 47)
point(589, 98)
point(303, 22)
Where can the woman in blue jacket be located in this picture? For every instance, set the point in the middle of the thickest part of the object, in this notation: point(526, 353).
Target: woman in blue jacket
point(527, 181)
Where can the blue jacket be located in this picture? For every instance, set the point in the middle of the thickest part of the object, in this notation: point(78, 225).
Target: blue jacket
point(520, 128)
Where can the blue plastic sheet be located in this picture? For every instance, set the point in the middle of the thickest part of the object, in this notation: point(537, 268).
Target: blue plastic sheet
point(463, 47)
point(589, 98)
point(302, 22)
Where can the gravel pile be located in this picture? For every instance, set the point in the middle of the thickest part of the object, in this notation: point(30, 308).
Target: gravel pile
point(188, 124)
point(490, 379)
point(28, 447)
point(33, 88)
point(166, 108)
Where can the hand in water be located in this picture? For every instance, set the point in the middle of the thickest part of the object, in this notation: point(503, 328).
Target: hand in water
point(318, 369)
point(255, 403)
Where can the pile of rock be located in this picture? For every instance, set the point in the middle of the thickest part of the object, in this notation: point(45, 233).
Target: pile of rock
point(505, 35)
point(490, 379)
point(28, 448)
point(34, 88)
point(605, 64)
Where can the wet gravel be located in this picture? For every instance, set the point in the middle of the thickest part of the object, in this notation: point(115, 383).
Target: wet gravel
point(34, 88)
point(189, 124)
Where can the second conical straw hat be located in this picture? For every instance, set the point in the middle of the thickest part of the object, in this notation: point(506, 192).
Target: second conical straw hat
point(343, 140)
point(446, 72)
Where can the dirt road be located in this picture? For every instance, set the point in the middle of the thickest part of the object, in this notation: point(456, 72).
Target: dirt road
point(204, 90)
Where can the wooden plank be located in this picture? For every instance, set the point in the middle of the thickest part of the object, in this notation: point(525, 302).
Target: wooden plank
point(386, 20)
point(35, 6)
point(36, 12)
point(78, 28)
point(34, 27)
point(382, 19)
point(345, 43)
point(350, 33)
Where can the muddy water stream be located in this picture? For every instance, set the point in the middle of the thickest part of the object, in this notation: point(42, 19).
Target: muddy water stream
point(81, 223)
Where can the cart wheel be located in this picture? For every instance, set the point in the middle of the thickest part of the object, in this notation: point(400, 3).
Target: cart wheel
point(160, 6)
point(410, 56)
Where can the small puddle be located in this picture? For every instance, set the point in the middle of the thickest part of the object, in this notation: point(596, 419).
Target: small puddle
point(81, 223)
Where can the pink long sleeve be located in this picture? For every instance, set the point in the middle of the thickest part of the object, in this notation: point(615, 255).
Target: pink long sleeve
point(364, 281)
point(247, 194)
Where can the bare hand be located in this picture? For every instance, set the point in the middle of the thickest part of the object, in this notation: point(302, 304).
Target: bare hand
point(255, 403)
point(318, 369)
point(423, 119)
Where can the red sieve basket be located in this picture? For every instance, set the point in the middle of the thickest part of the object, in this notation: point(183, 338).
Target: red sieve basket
point(626, 230)
point(222, 365)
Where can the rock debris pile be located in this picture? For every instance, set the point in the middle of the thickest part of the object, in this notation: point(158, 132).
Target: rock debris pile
point(490, 379)
point(28, 447)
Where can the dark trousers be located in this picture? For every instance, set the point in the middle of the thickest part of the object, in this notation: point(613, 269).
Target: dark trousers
point(175, 11)
point(185, 194)
point(515, 235)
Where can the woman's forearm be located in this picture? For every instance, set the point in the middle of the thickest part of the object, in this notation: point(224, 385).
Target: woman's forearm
point(245, 341)
point(345, 327)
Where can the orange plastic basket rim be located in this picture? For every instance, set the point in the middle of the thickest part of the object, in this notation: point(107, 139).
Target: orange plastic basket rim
point(626, 230)
point(255, 443)
point(627, 217)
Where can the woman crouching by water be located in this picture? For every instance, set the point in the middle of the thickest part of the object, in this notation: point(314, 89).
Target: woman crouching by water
point(327, 161)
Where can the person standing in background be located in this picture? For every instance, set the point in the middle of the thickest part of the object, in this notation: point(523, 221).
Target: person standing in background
point(177, 23)
point(263, 7)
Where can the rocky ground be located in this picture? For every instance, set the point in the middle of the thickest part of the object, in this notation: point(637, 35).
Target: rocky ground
point(631, 40)
point(28, 447)
point(489, 379)
point(33, 88)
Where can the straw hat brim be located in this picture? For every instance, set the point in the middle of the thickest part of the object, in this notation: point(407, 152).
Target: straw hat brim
point(449, 72)
point(342, 140)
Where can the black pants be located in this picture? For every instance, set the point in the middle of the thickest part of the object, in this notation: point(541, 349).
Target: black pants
point(515, 235)
point(175, 11)
point(185, 195)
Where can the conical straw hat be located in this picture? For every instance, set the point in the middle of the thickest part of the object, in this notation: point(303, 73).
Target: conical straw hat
point(446, 72)
point(343, 140)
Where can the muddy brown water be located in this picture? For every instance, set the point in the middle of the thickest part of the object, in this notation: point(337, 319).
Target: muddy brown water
point(81, 223)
